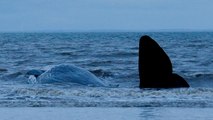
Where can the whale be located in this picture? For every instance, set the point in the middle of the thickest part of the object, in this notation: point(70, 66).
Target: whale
point(66, 74)
point(155, 67)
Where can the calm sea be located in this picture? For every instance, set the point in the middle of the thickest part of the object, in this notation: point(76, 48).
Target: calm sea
point(113, 58)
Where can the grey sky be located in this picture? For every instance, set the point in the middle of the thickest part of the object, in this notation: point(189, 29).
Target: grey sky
point(106, 15)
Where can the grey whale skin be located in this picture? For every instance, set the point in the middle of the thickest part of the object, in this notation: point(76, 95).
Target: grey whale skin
point(155, 67)
point(64, 73)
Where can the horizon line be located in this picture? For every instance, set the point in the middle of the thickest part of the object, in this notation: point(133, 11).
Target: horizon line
point(108, 31)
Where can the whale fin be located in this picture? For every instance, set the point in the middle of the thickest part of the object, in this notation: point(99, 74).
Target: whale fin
point(178, 81)
point(155, 67)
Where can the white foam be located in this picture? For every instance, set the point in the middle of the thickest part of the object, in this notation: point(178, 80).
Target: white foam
point(32, 79)
point(41, 95)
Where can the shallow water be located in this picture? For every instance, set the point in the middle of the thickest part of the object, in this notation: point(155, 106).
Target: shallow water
point(112, 57)
point(94, 113)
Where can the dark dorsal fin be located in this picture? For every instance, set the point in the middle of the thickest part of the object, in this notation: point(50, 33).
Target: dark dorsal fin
point(155, 67)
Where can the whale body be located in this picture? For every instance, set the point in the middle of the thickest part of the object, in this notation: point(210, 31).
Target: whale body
point(155, 67)
point(70, 74)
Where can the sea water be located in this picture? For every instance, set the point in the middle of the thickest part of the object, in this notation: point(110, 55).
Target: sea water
point(113, 58)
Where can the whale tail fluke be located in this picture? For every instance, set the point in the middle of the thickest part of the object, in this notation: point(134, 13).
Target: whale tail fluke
point(178, 81)
point(155, 67)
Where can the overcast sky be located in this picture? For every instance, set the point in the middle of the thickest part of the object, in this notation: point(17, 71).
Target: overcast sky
point(105, 15)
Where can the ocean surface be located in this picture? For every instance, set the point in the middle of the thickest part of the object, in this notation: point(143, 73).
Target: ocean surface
point(113, 58)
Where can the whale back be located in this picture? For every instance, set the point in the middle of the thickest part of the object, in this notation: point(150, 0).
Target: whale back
point(69, 74)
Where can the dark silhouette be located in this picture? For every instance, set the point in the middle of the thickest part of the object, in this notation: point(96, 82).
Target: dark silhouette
point(155, 67)
point(35, 72)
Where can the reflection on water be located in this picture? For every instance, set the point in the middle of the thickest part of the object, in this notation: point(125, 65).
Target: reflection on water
point(175, 113)
point(148, 113)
